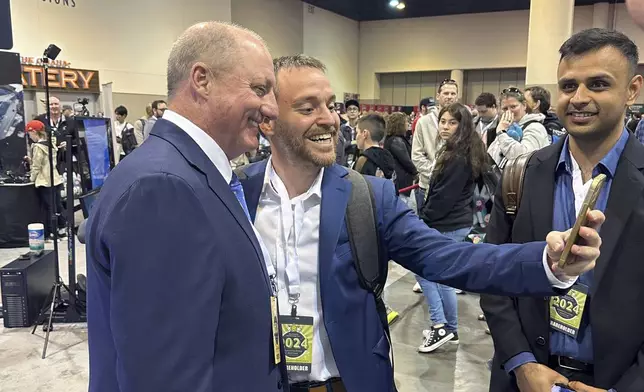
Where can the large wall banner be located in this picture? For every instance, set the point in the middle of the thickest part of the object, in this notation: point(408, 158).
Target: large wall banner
point(13, 145)
point(61, 77)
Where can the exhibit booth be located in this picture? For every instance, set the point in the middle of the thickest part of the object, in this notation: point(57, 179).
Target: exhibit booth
point(22, 98)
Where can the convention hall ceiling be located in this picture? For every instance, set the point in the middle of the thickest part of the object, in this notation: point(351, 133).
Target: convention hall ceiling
point(363, 10)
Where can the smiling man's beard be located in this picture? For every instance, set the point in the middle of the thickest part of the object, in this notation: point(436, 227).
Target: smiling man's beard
point(293, 145)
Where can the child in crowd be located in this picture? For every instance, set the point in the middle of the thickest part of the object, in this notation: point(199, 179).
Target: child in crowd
point(40, 175)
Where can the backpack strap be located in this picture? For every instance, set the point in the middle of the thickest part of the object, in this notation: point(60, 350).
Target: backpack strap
point(527, 124)
point(360, 164)
point(362, 227)
point(512, 182)
point(363, 233)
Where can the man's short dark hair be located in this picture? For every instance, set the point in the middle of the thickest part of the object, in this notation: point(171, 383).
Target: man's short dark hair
point(375, 124)
point(155, 104)
point(121, 111)
point(486, 99)
point(542, 95)
point(296, 61)
point(592, 40)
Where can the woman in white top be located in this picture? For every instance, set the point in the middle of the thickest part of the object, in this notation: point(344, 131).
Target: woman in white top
point(518, 131)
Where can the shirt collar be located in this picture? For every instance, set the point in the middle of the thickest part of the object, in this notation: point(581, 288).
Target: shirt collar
point(274, 186)
point(207, 144)
point(608, 163)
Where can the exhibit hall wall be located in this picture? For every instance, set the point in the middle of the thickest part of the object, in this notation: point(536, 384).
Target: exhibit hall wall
point(279, 22)
point(495, 40)
point(292, 27)
point(126, 41)
point(334, 40)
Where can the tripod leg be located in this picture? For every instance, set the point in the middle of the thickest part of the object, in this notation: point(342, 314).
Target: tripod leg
point(44, 307)
point(51, 316)
point(71, 293)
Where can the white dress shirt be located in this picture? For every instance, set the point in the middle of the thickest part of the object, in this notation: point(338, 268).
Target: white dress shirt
point(580, 189)
point(205, 142)
point(291, 230)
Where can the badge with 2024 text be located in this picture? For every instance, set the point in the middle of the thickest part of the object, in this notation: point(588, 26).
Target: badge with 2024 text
point(297, 338)
point(566, 311)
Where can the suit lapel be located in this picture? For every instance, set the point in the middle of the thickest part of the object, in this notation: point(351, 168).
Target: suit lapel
point(541, 191)
point(625, 189)
point(200, 161)
point(253, 185)
point(335, 197)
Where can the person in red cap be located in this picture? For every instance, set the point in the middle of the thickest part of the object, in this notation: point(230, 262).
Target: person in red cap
point(40, 176)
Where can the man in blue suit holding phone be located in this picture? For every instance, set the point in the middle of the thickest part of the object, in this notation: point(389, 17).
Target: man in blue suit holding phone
point(297, 201)
point(179, 295)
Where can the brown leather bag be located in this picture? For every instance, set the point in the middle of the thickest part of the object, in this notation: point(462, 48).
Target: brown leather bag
point(512, 182)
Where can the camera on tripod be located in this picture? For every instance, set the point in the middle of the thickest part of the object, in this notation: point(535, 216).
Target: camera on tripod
point(83, 111)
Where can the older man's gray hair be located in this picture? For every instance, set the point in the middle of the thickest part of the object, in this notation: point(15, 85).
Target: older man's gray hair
point(213, 43)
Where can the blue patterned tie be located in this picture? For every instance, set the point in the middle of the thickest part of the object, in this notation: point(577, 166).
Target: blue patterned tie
point(237, 189)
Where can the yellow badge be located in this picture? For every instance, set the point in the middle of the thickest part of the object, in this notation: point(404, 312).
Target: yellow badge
point(276, 329)
point(567, 311)
point(297, 337)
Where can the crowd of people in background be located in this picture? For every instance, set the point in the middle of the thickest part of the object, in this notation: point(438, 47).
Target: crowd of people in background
point(436, 158)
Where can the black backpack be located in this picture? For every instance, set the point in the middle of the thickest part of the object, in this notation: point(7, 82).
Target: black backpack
point(362, 226)
point(128, 140)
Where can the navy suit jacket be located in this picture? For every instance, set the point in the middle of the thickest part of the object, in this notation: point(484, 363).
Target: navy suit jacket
point(360, 348)
point(178, 295)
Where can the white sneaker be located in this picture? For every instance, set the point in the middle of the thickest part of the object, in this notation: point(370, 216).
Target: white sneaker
point(436, 337)
point(417, 288)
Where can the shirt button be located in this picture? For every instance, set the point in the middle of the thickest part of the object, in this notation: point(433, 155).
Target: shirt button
point(541, 341)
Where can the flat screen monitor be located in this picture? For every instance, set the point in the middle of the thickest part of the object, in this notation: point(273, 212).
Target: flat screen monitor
point(93, 150)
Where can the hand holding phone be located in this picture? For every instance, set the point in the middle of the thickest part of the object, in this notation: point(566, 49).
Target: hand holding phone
point(588, 205)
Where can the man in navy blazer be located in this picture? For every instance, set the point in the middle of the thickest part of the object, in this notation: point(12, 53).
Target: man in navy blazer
point(297, 201)
point(179, 297)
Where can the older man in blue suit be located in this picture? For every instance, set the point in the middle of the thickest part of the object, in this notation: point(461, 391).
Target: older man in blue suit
point(297, 201)
point(179, 292)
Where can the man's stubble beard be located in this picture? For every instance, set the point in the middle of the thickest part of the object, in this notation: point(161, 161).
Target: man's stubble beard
point(295, 151)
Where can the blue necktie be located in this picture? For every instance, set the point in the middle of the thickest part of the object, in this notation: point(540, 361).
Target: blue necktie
point(237, 189)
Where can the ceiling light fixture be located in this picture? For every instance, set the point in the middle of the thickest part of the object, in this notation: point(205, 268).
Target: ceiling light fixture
point(401, 6)
point(394, 3)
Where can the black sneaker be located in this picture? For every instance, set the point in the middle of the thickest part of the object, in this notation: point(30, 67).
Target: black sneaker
point(454, 339)
point(435, 338)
